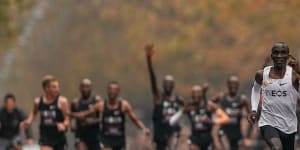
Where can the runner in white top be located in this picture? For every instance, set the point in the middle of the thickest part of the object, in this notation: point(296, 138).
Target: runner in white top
point(278, 87)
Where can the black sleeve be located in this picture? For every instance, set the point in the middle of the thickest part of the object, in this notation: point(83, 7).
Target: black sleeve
point(1, 118)
point(22, 115)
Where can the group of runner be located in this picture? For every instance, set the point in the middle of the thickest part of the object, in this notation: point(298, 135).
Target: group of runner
point(218, 123)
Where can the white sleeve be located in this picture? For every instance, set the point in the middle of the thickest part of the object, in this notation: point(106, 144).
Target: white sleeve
point(255, 96)
point(174, 119)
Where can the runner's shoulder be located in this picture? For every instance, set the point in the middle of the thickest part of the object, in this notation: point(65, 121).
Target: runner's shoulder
point(63, 101)
point(124, 102)
point(125, 105)
point(37, 100)
point(259, 76)
point(75, 103)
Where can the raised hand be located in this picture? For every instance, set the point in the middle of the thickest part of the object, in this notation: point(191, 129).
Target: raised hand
point(293, 62)
point(149, 48)
point(206, 86)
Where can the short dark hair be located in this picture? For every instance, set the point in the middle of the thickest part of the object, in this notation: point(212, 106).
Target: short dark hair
point(233, 77)
point(113, 82)
point(47, 80)
point(9, 96)
point(280, 45)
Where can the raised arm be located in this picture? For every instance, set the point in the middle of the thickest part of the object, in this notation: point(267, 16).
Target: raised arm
point(133, 117)
point(155, 91)
point(218, 98)
point(205, 90)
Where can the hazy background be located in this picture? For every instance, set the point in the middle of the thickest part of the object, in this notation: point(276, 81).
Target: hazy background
point(196, 41)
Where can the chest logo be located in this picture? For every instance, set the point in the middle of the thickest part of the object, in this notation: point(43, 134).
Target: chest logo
point(193, 113)
point(234, 105)
point(202, 111)
point(116, 112)
point(281, 84)
point(90, 105)
point(52, 107)
point(166, 104)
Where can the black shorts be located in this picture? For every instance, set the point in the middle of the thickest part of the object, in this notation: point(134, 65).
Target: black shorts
point(277, 139)
point(115, 143)
point(58, 143)
point(91, 145)
point(233, 132)
point(234, 135)
point(161, 140)
point(203, 141)
point(161, 145)
point(90, 139)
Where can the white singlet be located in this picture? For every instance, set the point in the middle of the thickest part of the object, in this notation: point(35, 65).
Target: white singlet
point(279, 102)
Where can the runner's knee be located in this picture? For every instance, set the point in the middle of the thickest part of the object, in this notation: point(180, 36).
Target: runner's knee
point(194, 147)
point(275, 144)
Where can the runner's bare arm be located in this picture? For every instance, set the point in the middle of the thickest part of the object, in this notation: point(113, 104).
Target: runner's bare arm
point(205, 90)
point(74, 106)
point(221, 116)
point(245, 102)
point(128, 108)
point(259, 77)
point(91, 111)
point(155, 91)
point(94, 120)
point(32, 115)
point(64, 106)
point(246, 109)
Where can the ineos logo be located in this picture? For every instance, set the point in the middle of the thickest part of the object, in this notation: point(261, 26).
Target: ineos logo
point(275, 93)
